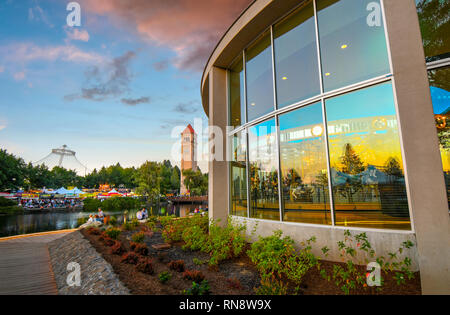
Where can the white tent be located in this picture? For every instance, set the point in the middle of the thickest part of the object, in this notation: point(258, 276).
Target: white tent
point(62, 191)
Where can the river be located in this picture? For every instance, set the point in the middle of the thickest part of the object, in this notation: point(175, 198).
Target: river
point(17, 224)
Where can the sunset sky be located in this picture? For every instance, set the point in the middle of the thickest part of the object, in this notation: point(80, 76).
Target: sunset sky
point(112, 89)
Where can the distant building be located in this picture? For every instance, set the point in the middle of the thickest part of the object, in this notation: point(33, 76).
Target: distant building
point(188, 151)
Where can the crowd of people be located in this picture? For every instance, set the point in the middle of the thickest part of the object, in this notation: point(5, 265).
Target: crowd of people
point(50, 203)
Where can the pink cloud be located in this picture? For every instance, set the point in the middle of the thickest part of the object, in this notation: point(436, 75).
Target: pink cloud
point(28, 52)
point(189, 27)
point(19, 76)
point(75, 34)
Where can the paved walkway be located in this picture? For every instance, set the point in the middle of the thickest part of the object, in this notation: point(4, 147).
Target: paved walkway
point(25, 266)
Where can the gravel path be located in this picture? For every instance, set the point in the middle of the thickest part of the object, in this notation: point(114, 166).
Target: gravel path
point(97, 275)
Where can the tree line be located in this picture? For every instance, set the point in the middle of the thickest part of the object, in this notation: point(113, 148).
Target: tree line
point(160, 176)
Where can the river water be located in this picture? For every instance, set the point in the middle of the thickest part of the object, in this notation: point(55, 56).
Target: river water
point(16, 224)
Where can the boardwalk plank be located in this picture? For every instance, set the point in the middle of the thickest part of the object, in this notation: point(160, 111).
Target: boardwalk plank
point(25, 265)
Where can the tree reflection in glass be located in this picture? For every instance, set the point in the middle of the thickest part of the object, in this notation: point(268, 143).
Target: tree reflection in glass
point(304, 166)
point(238, 169)
point(366, 162)
point(264, 202)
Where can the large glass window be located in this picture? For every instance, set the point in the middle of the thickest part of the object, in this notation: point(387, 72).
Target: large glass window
point(352, 41)
point(296, 66)
point(263, 162)
point(238, 177)
point(237, 101)
point(259, 76)
point(440, 95)
point(366, 162)
point(434, 19)
point(304, 166)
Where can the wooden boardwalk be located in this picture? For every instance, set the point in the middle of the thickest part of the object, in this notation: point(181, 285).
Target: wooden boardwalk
point(25, 266)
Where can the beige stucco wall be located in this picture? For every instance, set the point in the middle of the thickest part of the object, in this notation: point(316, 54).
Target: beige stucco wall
point(383, 242)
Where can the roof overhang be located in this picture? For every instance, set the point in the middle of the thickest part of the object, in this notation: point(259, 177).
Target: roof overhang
point(252, 22)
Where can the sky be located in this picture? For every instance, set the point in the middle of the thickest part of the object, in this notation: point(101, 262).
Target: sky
point(112, 89)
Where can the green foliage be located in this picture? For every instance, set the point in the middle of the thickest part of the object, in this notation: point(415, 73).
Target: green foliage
point(6, 202)
point(196, 182)
point(164, 276)
point(272, 287)
point(113, 221)
point(173, 228)
point(219, 242)
point(198, 289)
point(276, 258)
point(197, 261)
point(81, 221)
point(127, 226)
point(357, 250)
point(91, 204)
point(113, 233)
point(138, 237)
point(224, 242)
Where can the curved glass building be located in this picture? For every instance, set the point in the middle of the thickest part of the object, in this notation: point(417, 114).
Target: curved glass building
point(328, 121)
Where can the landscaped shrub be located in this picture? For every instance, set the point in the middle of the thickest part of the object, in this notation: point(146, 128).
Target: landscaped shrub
point(117, 248)
point(173, 228)
point(272, 287)
point(276, 258)
point(107, 240)
point(113, 221)
point(177, 265)
point(130, 258)
point(141, 249)
point(164, 276)
point(113, 233)
point(356, 250)
point(193, 275)
point(224, 242)
point(138, 237)
point(94, 231)
point(152, 221)
point(195, 237)
point(198, 288)
point(127, 227)
point(145, 265)
point(134, 222)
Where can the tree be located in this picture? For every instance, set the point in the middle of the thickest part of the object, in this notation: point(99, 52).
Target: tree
point(351, 165)
point(149, 180)
point(12, 171)
point(351, 162)
point(196, 182)
point(393, 169)
point(435, 27)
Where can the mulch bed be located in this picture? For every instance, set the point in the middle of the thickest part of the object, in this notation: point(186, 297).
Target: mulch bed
point(237, 276)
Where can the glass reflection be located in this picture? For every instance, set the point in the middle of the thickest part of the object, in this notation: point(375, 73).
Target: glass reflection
point(353, 46)
point(237, 101)
point(238, 177)
point(435, 28)
point(366, 162)
point(304, 166)
point(440, 95)
point(264, 202)
point(259, 78)
point(297, 70)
